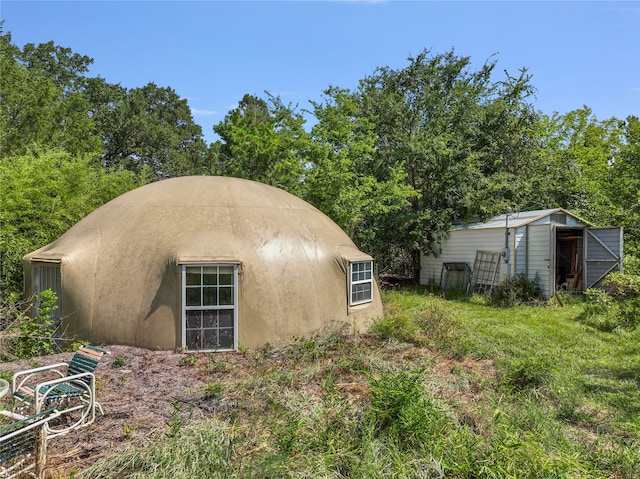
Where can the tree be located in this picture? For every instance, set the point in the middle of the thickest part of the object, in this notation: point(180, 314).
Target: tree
point(263, 140)
point(577, 151)
point(40, 99)
point(149, 127)
point(624, 191)
point(43, 193)
point(338, 180)
point(439, 119)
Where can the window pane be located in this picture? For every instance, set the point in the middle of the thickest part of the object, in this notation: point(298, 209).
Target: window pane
point(226, 270)
point(361, 271)
point(210, 275)
point(226, 318)
point(361, 292)
point(193, 340)
point(210, 339)
point(226, 296)
point(226, 338)
point(209, 296)
point(193, 319)
point(193, 276)
point(194, 297)
point(209, 319)
point(226, 279)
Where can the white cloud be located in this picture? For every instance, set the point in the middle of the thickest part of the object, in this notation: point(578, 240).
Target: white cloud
point(195, 111)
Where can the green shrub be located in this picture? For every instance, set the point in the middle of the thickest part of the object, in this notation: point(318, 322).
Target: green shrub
point(617, 306)
point(23, 335)
point(441, 329)
point(213, 390)
point(632, 264)
point(188, 359)
point(400, 327)
point(516, 290)
point(430, 324)
point(119, 362)
point(311, 349)
point(622, 286)
point(597, 302)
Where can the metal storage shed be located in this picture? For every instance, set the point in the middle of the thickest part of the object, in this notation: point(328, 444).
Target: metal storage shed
point(562, 250)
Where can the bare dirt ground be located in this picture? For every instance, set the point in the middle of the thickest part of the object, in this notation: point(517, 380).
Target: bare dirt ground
point(136, 397)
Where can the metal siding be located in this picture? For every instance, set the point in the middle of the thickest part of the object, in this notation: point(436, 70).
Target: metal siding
point(603, 253)
point(520, 256)
point(461, 247)
point(540, 256)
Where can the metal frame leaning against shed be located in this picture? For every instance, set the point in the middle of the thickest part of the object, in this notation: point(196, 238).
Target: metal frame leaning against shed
point(556, 247)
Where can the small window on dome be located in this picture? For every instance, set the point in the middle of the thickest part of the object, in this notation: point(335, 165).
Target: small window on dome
point(361, 284)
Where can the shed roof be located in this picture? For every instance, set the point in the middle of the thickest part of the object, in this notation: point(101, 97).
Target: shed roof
point(517, 219)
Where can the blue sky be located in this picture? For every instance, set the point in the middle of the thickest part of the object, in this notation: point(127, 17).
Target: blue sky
point(213, 52)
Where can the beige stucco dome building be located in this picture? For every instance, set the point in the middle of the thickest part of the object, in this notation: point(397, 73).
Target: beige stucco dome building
point(205, 263)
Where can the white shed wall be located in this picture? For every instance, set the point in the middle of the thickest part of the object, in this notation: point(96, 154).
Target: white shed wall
point(530, 252)
point(460, 246)
point(520, 251)
point(539, 256)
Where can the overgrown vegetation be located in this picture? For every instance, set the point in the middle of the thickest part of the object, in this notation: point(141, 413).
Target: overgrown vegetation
point(516, 290)
point(28, 329)
point(439, 388)
point(617, 306)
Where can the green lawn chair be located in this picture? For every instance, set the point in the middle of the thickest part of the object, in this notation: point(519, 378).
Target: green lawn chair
point(71, 388)
point(23, 446)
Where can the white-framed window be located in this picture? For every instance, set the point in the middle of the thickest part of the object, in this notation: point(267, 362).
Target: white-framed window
point(210, 307)
point(361, 284)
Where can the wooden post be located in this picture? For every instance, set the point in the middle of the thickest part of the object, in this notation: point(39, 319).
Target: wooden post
point(41, 452)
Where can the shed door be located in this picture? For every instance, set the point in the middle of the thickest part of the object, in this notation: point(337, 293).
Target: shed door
point(603, 253)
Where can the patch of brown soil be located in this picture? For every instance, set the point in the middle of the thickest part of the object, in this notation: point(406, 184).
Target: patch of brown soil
point(136, 398)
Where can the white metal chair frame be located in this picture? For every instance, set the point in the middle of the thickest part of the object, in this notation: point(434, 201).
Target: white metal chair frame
point(20, 454)
point(34, 398)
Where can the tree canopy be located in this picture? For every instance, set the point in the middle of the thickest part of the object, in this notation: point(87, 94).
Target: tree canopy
point(395, 161)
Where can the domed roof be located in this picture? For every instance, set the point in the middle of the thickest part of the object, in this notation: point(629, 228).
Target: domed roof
point(121, 264)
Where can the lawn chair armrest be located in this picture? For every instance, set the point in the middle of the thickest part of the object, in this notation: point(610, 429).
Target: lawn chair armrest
point(29, 373)
point(9, 432)
point(77, 380)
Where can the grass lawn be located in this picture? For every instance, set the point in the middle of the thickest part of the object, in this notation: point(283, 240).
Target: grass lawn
point(438, 388)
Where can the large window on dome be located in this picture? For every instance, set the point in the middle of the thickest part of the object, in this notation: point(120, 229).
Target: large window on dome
point(209, 313)
point(361, 284)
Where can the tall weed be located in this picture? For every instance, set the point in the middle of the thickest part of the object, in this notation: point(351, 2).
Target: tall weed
point(24, 335)
point(523, 374)
point(401, 410)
